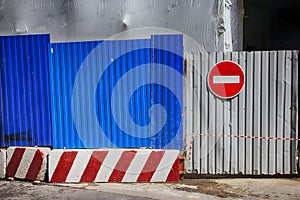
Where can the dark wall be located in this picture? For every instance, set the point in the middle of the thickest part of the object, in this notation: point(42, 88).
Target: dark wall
point(271, 24)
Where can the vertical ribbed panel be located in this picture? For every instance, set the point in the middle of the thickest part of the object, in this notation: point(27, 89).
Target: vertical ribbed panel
point(25, 99)
point(101, 94)
point(123, 100)
point(167, 91)
point(65, 60)
point(252, 133)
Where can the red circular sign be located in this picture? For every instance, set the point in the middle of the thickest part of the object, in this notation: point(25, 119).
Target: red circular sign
point(226, 79)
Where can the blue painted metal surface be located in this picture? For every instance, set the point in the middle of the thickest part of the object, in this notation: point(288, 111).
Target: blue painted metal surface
point(65, 60)
point(24, 93)
point(101, 94)
point(167, 50)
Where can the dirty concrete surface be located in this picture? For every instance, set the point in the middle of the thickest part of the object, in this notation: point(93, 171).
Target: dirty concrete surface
point(20, 190)
point(233, 188)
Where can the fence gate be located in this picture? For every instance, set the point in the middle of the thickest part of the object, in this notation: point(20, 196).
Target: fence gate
point(253, 133)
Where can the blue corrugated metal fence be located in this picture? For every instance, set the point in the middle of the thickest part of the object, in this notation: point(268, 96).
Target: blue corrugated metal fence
point(102, 92)
point(24, 95)
point(167, 90)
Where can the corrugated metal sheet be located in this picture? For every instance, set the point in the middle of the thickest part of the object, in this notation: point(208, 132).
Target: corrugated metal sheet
point(65, 61)
point(252, 133)
point(24, 95)
point(167, 90)
point(100, 94)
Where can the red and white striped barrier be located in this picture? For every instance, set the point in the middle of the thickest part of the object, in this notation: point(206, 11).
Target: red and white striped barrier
point(114, 165)
point(2, 163)
point(27, 163)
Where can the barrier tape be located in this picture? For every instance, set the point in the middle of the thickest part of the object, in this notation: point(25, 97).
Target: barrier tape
point(246, 136)
point(237, 136)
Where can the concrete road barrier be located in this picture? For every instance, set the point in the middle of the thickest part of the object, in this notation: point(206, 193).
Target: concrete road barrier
point(28, 163)
point(114, 165)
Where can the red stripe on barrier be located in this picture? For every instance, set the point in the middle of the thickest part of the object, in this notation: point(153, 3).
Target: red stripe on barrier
point(63, 167)
point(122, 166)
point(93, 166)
point(14, 162)
point(150, 166)
point(174, 173)
point(35, 165)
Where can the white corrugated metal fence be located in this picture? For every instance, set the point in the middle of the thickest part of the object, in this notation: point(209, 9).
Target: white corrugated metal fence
point(253, 133)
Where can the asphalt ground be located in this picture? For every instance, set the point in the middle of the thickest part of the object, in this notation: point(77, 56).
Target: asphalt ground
point(228, 188)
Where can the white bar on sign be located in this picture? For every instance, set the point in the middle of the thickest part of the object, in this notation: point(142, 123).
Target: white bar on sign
point(226, 79)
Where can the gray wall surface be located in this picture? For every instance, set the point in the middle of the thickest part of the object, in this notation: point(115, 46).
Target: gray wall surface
point(201, 21)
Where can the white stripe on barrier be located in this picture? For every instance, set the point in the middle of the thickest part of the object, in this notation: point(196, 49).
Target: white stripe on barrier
point(108, 165)
point(78, 167)
point(2, 163)
point(9, 154)
point(25, 163)
point(54, 159)
point(163, 168)
point(136, 166)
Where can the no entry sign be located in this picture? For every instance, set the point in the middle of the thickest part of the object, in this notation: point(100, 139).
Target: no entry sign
point(226, 79)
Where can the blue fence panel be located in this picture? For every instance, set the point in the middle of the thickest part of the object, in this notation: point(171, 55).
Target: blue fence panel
point(167, 91)
point(101, 95)
point(24, 95)
point(65, 61)
point(87, 109)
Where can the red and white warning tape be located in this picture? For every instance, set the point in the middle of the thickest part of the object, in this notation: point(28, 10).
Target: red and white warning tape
point(193, 135)
point(244, 136)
